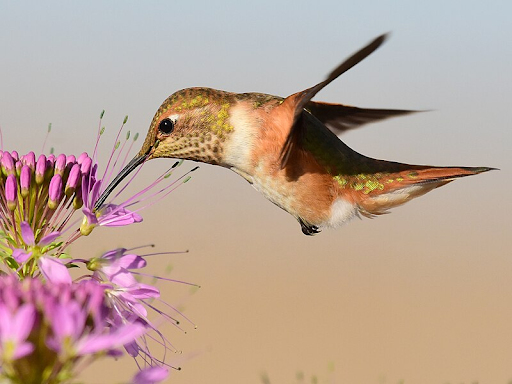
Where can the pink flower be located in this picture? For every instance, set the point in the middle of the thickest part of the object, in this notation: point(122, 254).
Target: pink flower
point(71, 339)
point(52, 268)
point(15, 327)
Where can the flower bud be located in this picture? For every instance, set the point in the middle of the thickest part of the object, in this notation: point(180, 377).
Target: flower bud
point(60, 164)
point(7, 163)
point(40, 169)
point(30, 160)
point(55, 192)
point(18, 166)
point(73, 179)
point(82, 157)
point(25, 176)
point(11, 192)
point(71, 159)
point(86, 165)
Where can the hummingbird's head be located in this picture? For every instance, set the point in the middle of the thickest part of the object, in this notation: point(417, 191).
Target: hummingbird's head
point(191, 124)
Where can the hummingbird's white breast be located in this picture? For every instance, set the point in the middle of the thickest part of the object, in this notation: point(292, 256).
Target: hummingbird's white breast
point(240, 144)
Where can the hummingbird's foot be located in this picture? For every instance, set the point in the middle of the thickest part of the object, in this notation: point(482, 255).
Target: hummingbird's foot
point(308, 229)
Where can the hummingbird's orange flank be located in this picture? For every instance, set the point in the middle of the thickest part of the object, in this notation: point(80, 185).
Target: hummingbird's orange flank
point(288, 150)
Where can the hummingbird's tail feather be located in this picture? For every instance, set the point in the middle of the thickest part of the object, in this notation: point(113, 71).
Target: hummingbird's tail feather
point(391, 190)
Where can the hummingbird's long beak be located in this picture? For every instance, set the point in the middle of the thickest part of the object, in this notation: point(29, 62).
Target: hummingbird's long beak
point(134, 163)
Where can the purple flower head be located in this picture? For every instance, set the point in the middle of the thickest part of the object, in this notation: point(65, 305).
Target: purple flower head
point(71, 337)
point(39, 195)
point(110, 215)
point(45, 193)
point(49, 322)
point(131, 300)
point(66, 322)
point(126, 292)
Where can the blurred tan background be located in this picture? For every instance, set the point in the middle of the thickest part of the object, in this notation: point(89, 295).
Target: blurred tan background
point(422, 295)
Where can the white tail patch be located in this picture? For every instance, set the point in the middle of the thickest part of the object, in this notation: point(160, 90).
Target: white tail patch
point(342, 212)
point(380, 204)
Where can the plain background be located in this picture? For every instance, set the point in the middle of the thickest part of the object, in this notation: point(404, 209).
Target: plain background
point(422, 295)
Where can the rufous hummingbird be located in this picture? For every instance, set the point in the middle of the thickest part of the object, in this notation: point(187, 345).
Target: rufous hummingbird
point(287, 148)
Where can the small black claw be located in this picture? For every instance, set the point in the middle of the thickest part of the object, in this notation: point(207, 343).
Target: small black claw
point(308, 230)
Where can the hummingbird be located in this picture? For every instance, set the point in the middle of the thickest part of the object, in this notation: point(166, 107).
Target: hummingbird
point(288, 149)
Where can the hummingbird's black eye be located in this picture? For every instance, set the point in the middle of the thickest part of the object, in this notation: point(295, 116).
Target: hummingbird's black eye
point(166, 126)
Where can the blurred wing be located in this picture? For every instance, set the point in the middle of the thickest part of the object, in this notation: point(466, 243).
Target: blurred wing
point(298, 101)
point(340, 118)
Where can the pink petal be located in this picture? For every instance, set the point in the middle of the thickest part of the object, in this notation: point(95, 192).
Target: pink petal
point(132, 348)
point(120, 277)
point(23, 322)
point(23, 349)
point(54, 271)
point(94, 192)
point(131, 261)
point(123, 335)
point(20, 255)
point(115, 216)
point(151, 375)
point(27, 234)
point(85, 190)
point(144, 291)
point(91, 217)
point(48, 239)
point(5, 321)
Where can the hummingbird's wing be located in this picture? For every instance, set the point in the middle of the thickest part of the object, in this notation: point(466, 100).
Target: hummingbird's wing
point(298, 101)
point(340, 118)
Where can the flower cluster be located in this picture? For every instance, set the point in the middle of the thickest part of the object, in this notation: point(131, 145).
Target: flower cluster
point(43, 193)
point(49, 323)
point(47, 329)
